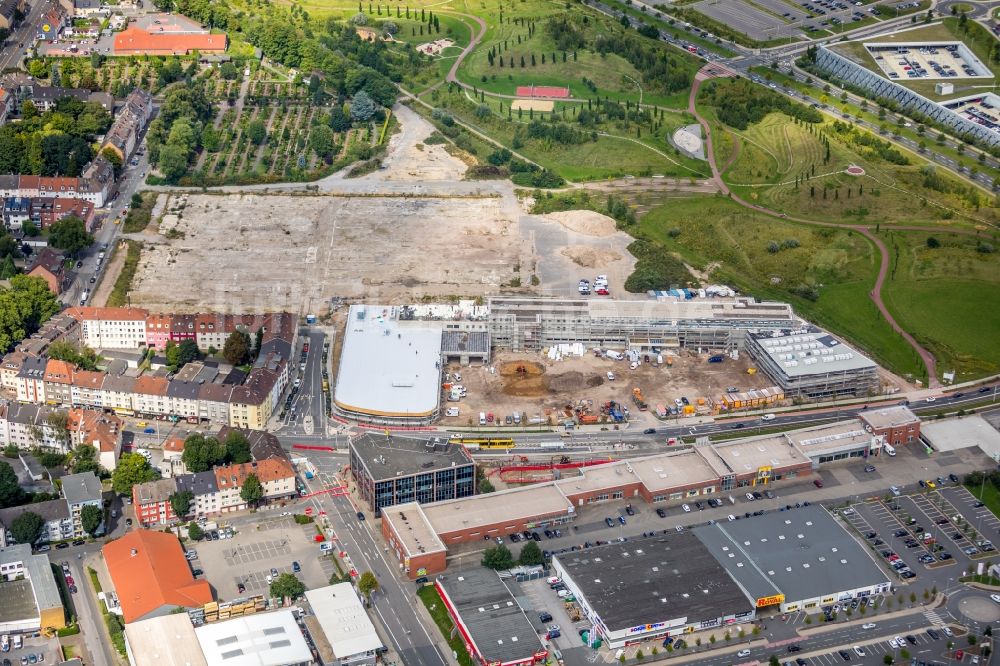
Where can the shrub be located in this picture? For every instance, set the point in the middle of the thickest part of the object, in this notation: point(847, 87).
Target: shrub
point(302, 519)
point(933, 243)
point(773, 247)
point(984, 248)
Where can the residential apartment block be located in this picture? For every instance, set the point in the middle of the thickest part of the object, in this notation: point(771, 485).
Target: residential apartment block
point(197, 393)
point(61, 516)
point(123, 136)
point(214, 492)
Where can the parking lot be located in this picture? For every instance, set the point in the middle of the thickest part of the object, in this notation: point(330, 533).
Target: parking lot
point(925, 61)
point(919, 644)
point(917, 529)
point(249, 557)
point(35, 649)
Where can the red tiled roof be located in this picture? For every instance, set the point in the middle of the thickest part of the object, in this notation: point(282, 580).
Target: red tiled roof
point(149, 572)
point(135, 41)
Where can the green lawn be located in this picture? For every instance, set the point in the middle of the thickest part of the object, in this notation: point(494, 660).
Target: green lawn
point(435, 606)
point(839, 265)
point(989, 494)
point(598, 158)
point(935, 291)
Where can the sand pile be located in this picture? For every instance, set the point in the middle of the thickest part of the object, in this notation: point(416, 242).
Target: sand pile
point(585, 222)
point(590, 257)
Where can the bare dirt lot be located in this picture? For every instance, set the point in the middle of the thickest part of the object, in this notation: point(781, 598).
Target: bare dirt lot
point(411, 231)
point(575, 245)
point(534, 385)
point(261, 252)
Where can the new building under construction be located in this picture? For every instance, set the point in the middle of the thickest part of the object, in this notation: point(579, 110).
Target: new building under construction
point(709, 324)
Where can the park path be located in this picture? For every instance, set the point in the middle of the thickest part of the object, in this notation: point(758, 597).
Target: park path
point(712, 71)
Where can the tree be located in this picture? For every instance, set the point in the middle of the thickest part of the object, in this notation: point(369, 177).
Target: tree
point(257, 132)
point(187, 351)
point(531, 555)
point(70, 234)
point(887, 659)
point(7, 268)
point(132, 469)
point(498, 558)
point(933, 242)
point(180, 502)
point(287, 586)
point(173, 162)
point(91, 518)
point(195, 532)
point(362, 106)
point(321, 140)
point(237, 448)
point(173, 354)
point(202, 453)
point(85, 459)
point(237, 347)
point(368, 584)
point(252, 491)
point(27, 527)
point(773, 660)
point(11, 493)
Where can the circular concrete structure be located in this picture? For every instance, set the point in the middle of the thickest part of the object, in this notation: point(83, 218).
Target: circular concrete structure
point(979, 609)
point(855, 170)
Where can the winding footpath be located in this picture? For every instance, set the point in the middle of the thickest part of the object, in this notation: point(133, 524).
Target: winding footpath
point(712, 71)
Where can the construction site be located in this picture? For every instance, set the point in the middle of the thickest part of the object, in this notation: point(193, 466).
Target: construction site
point(526, 389)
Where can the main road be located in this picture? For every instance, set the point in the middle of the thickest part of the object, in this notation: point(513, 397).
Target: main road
point(395, 603)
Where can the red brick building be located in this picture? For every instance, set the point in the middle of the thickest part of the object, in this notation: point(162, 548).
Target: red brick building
point(897, 424)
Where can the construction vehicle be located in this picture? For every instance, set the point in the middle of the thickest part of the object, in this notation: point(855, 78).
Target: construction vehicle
point(638, 399)
point(751, 371)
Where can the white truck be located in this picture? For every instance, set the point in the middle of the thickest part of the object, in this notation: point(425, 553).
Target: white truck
point(614, 355)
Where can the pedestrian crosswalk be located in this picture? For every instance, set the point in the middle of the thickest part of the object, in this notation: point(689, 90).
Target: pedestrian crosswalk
point(935, 619)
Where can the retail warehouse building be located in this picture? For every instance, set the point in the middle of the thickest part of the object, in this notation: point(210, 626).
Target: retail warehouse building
point(718, 575)
point(419, 533)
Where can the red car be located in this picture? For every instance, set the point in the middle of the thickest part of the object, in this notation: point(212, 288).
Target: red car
point(69, 580)
point(305, 348)
point(818, 483)
point(602, 292)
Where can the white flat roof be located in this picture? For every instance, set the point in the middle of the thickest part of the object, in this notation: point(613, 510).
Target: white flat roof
point(811, 352)
point(261, 639)
point(343, 619)
point(387, 367)
point(963, 433)
point(169, 639)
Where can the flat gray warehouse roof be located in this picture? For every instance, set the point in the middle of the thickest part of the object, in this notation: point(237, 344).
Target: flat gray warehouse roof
point(652, 580)
point(387, 458)
point(388, 368)
point(495, 622)
point(801, 553)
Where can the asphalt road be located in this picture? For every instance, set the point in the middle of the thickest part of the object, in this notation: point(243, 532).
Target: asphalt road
point(308, 405)
point(394, 603)
point(12, 53)
point(130, 182)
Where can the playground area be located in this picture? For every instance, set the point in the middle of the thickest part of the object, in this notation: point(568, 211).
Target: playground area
point(435, 47)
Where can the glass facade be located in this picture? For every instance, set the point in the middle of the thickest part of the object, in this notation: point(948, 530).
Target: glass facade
point(425, 487)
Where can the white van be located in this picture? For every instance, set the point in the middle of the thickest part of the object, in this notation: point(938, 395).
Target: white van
point(17, 642)
point(451, 411)
point(767, 417)
point(5, 643)
point(611, 376)
point(889, 449)
point(482, 418)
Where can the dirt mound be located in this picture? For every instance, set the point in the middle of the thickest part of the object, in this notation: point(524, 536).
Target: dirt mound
point(528, 387)
point(522, 369)
point(590, 257)
point(595, 381)
point(568, 381)
point(585, 222)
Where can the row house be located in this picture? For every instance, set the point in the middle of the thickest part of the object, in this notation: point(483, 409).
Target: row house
point(27, 426)
point(93, 186)
point(58, 382)
point(31, 380)
point(123, 136)
point(151, 501)
point(46, 212)
point(277, 477)
point(163, 328)
point(183, 399)
point(16, 211)
point(150, 396)
point(88, 389)
point(213, 402)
